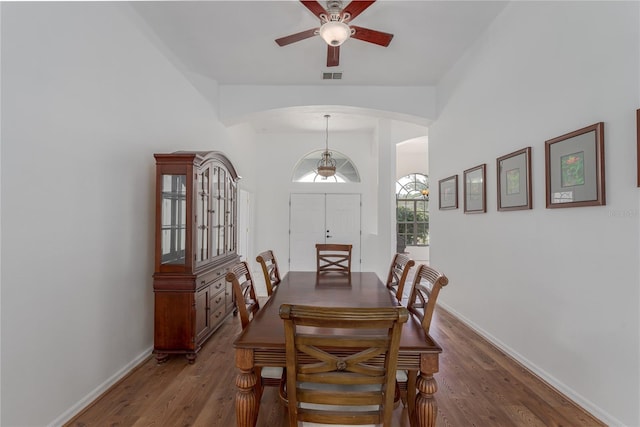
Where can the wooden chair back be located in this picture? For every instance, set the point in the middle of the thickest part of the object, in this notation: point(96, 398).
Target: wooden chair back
point(400, 266)
point(424, 293)
point(342, 369)
point(333, 258)
point(244, 292)
point(270, 270)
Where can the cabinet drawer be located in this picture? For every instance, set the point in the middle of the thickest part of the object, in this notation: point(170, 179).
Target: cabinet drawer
point(216, 301)
point(217, 286)
point(217, 308)
point(210, 277)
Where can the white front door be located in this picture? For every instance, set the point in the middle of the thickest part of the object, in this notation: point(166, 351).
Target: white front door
point(322, 218)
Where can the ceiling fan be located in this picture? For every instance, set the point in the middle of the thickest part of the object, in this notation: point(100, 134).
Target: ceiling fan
point(335, 29)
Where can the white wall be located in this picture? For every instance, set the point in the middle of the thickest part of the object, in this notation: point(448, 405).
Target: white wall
point(412, 156)
point(559, 289)
point(403, 103)
point(86, 101)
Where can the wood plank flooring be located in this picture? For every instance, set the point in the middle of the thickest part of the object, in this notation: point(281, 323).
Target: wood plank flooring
point(478, 385)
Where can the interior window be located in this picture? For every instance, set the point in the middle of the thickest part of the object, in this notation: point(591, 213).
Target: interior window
point(412, 210)
point(306, 169)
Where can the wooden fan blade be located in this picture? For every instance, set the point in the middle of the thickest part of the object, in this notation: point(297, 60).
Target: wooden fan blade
point(314, 7)
point(356, 7)
point(371, 36)
point(283, 41)
point(333, 56)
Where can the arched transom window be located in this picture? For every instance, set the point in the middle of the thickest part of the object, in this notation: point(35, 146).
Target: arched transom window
point(306, 169)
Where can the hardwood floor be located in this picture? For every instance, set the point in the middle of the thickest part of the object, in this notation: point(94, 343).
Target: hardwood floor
point(478, 385)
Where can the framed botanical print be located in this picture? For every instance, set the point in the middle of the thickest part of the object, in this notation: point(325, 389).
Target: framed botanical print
point(514, 180)
point(448, 193)
point(475, 186)
point(574, 166)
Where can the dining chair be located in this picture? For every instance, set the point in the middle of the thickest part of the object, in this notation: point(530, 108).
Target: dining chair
point(248, 305)
point(425, 289)
point(398, 272)
point(341, 364)
point(244, 292)
point(333, 257)
point(270, 270)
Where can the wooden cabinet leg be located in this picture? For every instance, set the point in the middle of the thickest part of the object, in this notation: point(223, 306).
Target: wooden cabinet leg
point(426, 409)
point(161, 358)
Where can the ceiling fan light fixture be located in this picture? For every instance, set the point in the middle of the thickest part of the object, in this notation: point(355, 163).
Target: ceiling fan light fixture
point(335, 32)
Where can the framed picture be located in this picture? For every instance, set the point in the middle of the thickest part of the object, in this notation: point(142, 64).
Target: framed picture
point(475, 188)
point(514, 180)
point(574, 166)
point(448, 193)
point(638, 146)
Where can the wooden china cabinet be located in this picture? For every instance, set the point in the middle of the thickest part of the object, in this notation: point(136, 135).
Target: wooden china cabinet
point(196, 241)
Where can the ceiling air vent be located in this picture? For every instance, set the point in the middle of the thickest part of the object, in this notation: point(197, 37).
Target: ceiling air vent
point(331, 76)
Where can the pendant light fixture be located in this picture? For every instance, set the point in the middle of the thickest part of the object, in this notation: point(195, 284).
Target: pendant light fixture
point(327, 165)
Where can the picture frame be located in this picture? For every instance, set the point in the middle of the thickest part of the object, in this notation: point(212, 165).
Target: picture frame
point(448, 193)
point(514, 180)
point(574, 168)
point(475, 189)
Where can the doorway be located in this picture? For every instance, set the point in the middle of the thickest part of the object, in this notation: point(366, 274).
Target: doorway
point(322, 218)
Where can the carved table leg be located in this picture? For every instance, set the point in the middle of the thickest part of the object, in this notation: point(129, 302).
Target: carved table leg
point(426, 408)
point(246, 397)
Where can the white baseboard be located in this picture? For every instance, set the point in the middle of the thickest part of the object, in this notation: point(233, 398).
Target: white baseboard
point(95, 393)
point(586, 404)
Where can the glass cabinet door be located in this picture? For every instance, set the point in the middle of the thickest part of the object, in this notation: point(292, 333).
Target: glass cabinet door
point(232, 216)
point(215, 223)
point(174, 218)
point(203, 208)
point(222, 208)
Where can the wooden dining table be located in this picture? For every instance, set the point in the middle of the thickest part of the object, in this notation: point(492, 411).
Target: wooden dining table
point(262, 341)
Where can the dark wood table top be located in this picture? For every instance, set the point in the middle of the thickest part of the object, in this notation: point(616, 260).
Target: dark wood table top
point(266, 330)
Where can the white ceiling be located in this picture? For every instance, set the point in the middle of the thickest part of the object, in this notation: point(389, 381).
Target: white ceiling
point(232, 42)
